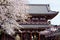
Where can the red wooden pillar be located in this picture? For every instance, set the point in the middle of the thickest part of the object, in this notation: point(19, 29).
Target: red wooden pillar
point(3, 37)
point(39, 36)
point(31, 36)
point(21, 36)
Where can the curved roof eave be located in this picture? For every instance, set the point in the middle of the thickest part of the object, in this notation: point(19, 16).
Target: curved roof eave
point(46, 13)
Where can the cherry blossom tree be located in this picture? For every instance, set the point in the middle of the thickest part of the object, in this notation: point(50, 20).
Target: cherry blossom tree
point(10, 11)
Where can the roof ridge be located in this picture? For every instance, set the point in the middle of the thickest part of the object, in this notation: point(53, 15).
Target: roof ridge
point(38, 4)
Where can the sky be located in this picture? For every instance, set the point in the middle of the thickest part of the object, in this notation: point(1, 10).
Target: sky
point(54, 6)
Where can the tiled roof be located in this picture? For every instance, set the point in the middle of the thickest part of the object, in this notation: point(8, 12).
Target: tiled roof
point(50, 33)
point(35, 26)
point(40, 9)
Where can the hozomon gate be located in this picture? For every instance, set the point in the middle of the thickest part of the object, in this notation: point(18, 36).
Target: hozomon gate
point(40, 13)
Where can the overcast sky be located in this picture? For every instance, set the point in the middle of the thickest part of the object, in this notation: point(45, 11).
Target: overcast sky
point(54, 5)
